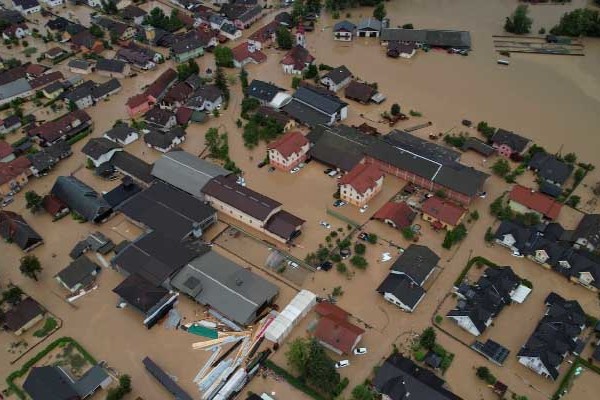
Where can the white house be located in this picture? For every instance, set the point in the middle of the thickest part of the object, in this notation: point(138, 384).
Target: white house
point(361, 184)
point(27, 6)
point(288, 151)
point(206, 98)
point(343, 31)
point(122, 134)
point(94, 3)
point(54, 3)
point(336, 79)
point(100, 150)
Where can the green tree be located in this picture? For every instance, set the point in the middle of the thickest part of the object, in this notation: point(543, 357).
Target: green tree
point(244, 80)
point(359, 262)
point(221, 83)
point(311, 72)
point(579, 22)
point(427, 338)
point(362, 392)
point(501, 167)
point(33, 201)
point(285, 40)
point(188, 69)
point(30, 266)
point(96, 31)
point(223, 57)
point(379, 11)
point(360, 248)
point(573, 201)
point(395, 109)
point(298, 355)
point(519, 22)
point(320, 372)
point(570, 158)
point(109, 7)
point(296, 82)
point(372, 238)
point(12, 295)
point(408, 233)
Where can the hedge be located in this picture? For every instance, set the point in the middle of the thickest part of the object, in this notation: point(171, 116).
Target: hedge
point(62, 58)
point(57, 343)
point(79, 136)
point(294, 381)
point(467, 268)
point(564, 383)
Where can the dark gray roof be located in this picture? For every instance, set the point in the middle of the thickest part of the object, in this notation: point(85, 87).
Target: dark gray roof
point(284, 225)
point(106, 88)
point(122, 193)
point(163, 140)
point(516, 142)
point(49, 383)
point(158, 116)
point(81, 198)
point(479, 146)
point(550, 167)
point(339, 74)
point(185, 171)
point(26, 4)
point(165, 380)
point(131, 12)
point(344, 26)
point(79, 64)
point(589, 229)
point(14, 228)
point(140, 293)
point(90, 381)
point(341, 146)
point(369, 24)
point(186, 45)
point(550, 189)
point(97, 147)
point(104, 64)
point(205, 93)
point(80, 91)
point(403, 288)
point(218, 282)
point(80, 271)
point(305, 114)
point(417, 262)
point(166, 209)
point(226, 190)
point(132, 166)
point(327, 103)
point(19, 315)
point(431, 37)
point(120, 132)
point(264, 91)
point(492, 350)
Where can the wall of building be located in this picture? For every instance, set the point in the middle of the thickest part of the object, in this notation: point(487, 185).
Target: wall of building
point(29, 325)
point(277, 160)
point(351, 196)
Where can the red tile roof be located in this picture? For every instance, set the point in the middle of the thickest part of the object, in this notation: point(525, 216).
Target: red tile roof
point(399, 213)
point(362, 177)
point(11, 170)
point(161, 83)
point(335, 330)
point(241, 53)
point(536, 201)
point(5, 149)
point(442, 210)
point(183, 115)
point(298, 57)
point(35, 69)
point(52, 204)
point(53, 130)
point(291, 142)
point(137, 100)
point(265, 33)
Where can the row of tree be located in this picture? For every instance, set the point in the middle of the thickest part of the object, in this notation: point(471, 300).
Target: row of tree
point(579, 22)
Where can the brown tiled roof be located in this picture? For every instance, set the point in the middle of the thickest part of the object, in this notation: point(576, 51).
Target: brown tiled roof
point(335, 330)
point(35, 69)
point(443, 210)
point(298, 56)
point(325, 309)
point(5, 149)
point(46, 79)
point(55, 51)
point(137, 100)
point(362, 177)
point(399, 213)
point(161, 83)
point(11, 170)
point(52, 204)
point(283, 224)
point(183, 115)
point(265, 32)
point(359, 91)
point(536, 201)
point(241, 53)
point(19, 315)
point(290, 143)
point(179, 92)
point(53, 130)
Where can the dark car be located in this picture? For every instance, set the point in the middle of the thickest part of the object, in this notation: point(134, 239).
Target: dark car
point(327, 171)
point(262, 164)
point(325, 266)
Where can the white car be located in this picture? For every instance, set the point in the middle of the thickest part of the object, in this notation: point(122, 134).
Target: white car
point(325, 224)
point(295, 170)
point(360, 351)
point(517, 254)
point(332, 173)
point(364, 208)
point(342, 364)
point(292, 264)
point(385, 257)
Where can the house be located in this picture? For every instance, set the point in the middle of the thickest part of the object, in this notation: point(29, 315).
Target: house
point(523, 200)
point(18, 89)
point(120, 194)
point(140, 58)
point(232, 290)
point(133, 14)
point(187, 49)
point(587, 233)
point(160, 118)
point(334, 331)
point(288, 151)
point(45, 159)
point(122, 134)
point(360, 92)
point(245, 53)
point(6, 152)
point(427, 37)
point(314, 106)
point(508, 143)
point(114, 29)
point(483, 301)
point(100, 150)
point(53, 90)
point(556, 335)
point(15, 31)
point(280, 118)
point(478, 146)
point(9, 124)
point(23, 316)
point(426, 164)
point(81, 95)
point(396, 215)
point(46, 79)
point(265, 36)
point(79, 274)
point(176, 96)
point(113, 68)
point(186, 172)
point(161, 85)
point(80, 66)
point(14, 229)
point(164, 141)
point(133, 167)
point(85, 42)
point(104, 90)
point(550, 168)
point(284, 19)
point(361, 184)
point(53, 206)
point(14, 175)
point(341, 147)
point(397, 49)
point(170, 211)
point(241, 15)
point(64, 127)
point(267, 93)
point(399, 377)
point(206, 98)
point(442, 214)
point(53, 3)
point(252, 208)
point(27, 7)
point(404, 284)
point(81, 198)
point(343, 31)
point(297, 60)
point(368, 27)
point(152, 301)
point(54, 379)
point(138, 104)
point(337, 78)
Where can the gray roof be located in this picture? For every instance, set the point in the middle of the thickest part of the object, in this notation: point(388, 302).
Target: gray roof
point(417, 262)
point(14, 228)
point(516, 142)
point(49, 383)
point(403, 288)
point(234, 291)
point(478, 146)
point(81, 198)
point(262, 90)
point(14, 88)
point(339, 74)
point(163, 140)
point(81, 271)
point(550, 167)
point(132, 166)
point(106, 88)
point(369, 24)
point(342, 146)
point(327, 103)
point(165, 380)
point(104, 64)
point(97, 147)
point(185, 171)
point(344, 26)
point(90, 381)
point(140, 293)
point(80, 91)
point(589, 228)
point(120, 132)
point(304, 114)
point(431, 37)
point(79, 64)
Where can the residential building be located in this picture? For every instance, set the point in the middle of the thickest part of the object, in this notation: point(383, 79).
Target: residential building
point(206, 98)
point(122, 134)
point(265, 36)
point(232, 290)
point(245, 53)
point(53, 90)
point(82, 67)
point(403, 286)
point(85, 42)
point(23, 316)
point(254, 209)
point(284, 19)
point(556, 335)
point(54, 207)
point(550, 168)
point(587, 233)
point(79, 274)
point(186, 172)
point(140, 58)
point(297, 60)
point(341, 147)
point(14, 175)
point(133, 14)
point(54, 379)
point(337, 78)
point(288, 151)
point(103, 90)
point(164, 141)
point(45, 159)
point(100, 150)
point(442, 214)
point(81, 198)
point(241, 15)
point(14, 229)
point(62, 128)
point(478, 146)
point(280, 118)
point(15, 31)
point(396, 215)
point(157, 89)
point(334, 331)
point(9, 124)
point(187, 49)
point(268, 94)
point(230, 31)
point(113, 68)
point(360, 92)
point(160, 118)
point(508, 143)
point(138, 104)
point(133, 167)
point(114, 29)
point(27, 7)
point(7, 153)
point(343, 31)
point(427, 37)
point(18, 89)
point(81, 95)
point(368, 27)
point(523, 200)
point(397, 49)
point(176, 96)
point(314, 106)
point(361, 184)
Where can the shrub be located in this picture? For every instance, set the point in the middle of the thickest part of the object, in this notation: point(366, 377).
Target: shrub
point(420, 355)
point(438, 319)
point(527, 283)
point(359, 262)
point(336, 258)
point(415, 113)
point(341, 268)
point(337, 291)
point(408, 233)
point(573, 201)
point(427, 338)
point(49, 325)
point(372, 238)
point(360, 248)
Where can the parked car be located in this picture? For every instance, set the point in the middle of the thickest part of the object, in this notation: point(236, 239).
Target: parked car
point(363, 236)
point(345, 253)
point(339, 203)
point(292, 264)
point(271, 169)
point(7, 201)
point(342, 364)
point(364, 208)
point(517, 254)
point(262, 163)
point(325, 224)
point(301, 165)
point(327, 171)
point(241, 181)
point(295, 170)
point(332, 173)
point(360, 351)
point(325, 266)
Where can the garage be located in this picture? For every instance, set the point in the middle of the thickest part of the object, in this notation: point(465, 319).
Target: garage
point(368, 28)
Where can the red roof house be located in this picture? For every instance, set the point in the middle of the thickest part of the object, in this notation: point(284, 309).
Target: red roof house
point(334, 331)
point(264, 36)
point(296, 60)
point(54, 206)
point(397, 215)
point(138, 104)
point(247, 53)
point(288, 151)
point(442, 213)
point(6, 152)
point(524, 200)
point(360, 184)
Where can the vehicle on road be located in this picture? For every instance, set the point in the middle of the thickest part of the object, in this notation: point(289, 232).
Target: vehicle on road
point(325, 266)
point(360, 351)
point(327, 171)
point(339, 203)
point(363, 236)
point(295, 170)
point(7, 201)
point(332, 173)
point(293, 264)
point(342, 364)
point(364, 208)
point(325, 224)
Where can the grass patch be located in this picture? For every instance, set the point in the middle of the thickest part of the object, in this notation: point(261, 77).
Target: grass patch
point(467, 268)
point(293, 380)
point(49, 325)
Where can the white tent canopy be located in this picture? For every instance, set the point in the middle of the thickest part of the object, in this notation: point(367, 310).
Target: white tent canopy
point(297, 309)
